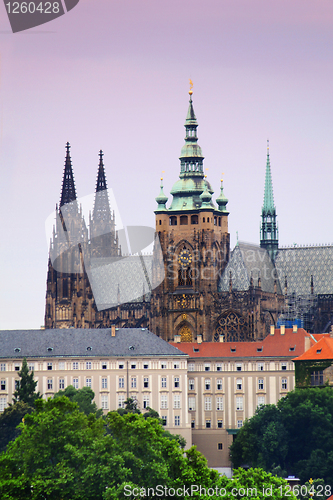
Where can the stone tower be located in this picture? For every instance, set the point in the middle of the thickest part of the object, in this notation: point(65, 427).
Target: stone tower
point(195, 242)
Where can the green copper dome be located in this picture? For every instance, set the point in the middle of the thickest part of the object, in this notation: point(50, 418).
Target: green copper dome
point(161, 199)
point(222, 200)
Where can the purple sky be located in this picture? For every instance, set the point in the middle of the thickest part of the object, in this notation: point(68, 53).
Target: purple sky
point(114, 75)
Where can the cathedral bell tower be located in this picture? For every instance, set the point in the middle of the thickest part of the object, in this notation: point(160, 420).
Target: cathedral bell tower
point(269, 234)
point(195, 243)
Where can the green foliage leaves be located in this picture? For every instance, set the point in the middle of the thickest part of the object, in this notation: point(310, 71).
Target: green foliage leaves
point(26, 386)
point(294, 437)
point(83, 397)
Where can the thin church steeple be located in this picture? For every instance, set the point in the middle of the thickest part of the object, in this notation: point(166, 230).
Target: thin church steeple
point(269, 237)
point(68, 193)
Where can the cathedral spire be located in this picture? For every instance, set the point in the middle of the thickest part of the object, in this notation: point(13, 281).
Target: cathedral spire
point(269, 238)
point(68, 193)
point(191, 159)
point(101, 180)
point(101, 211)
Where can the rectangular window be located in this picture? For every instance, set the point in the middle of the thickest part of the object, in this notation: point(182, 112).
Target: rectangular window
point(219, 403)
point(191, 384)
point(176, 366)
point(104, 365)
point(317, 378)
point(190, 367)
point(121, 366)
point(164, 420)
point(218, 367)
point(146, 366)
point(239, 384)
point(61, 365)
point(261, 400)
point(164, 401)
point(145, 401)
point(17, 385)
point(88, 382)
point(61, 384)
point(49, 365)
point(133, 366)
point(177, 420)
point(219, 384)
point(3, 403)
point(2, 367)
point(75, 365)
point(146, 382)
point(105, 403)
point(75, 383)
point(176, 401)
point(207, 384)
point(192, 424)
point(220, 446)
point(176, 381)
point(284, 384)
point(283, 366)
point(104, 383)
point(163, 366)
point(121, 401)
point(88, 365)
point(208, 403)
point(239, 403)
point(3, 385)
point(49, 384)
point(121, 382)
point(133, 382)
point(260, 367)
point(239, 424)
point(191, 404)
point(260, 384)
point(220, 424)
point(17, 367)
point(239, 367)
point(207, 367)
point(163, 382)
point(208, 424)
point(31, 367)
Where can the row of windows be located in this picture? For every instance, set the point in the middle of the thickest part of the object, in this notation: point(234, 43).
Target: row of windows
point(88, 366)
point(207, 403)
point(219, 366)
point(183, 220)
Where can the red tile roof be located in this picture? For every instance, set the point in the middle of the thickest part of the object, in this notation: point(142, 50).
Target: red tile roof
point(323, 349)
point(272, 345)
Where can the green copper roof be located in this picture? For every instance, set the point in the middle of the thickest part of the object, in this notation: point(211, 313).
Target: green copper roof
point(268, 196)
point(222, 200)
point(161, 199)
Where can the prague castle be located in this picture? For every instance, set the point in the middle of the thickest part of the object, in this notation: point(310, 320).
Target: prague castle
point(208, 293)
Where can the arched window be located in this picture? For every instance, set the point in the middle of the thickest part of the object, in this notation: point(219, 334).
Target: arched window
point(173, 220)
point(185, 334)
point(232, 327)
point(183, 220)
point(194, 219)
point(184, 276)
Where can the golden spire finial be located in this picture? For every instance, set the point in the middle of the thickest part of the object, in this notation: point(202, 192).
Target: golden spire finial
point(191, 87)
point(267, 144)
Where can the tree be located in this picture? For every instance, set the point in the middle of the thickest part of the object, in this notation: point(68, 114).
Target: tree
point(295, 436)
point(62, 453)
point(25, 390)
point(9, 420)
point(83, 397)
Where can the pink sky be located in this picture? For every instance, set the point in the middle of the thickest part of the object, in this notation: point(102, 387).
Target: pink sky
point(114, 75)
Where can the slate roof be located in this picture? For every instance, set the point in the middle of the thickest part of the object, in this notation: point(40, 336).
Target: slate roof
point(299, 263)
point(272, 345)
point(322, 350)
point(246, 260)
point(73, 342)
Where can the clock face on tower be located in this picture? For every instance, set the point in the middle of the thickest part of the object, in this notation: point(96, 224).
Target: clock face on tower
point(185, 258)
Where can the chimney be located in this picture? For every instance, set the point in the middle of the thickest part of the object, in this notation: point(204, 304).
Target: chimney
point(331, 332)
point(272, 329)
point(221, 338)
point(307, 343)
point(177, 339)
point(295, 328)
point(113, 330)
point(282, 329)
point(199, 339)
